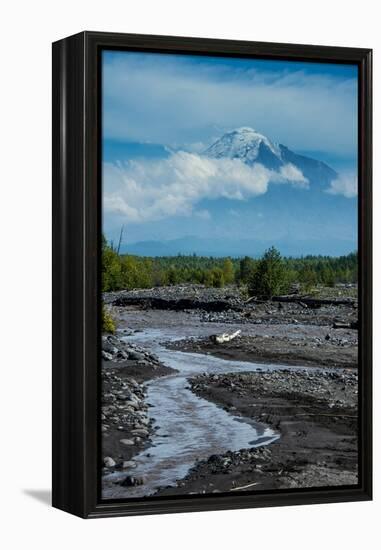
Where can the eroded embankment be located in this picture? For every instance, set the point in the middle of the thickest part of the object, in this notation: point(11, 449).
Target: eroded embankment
point(328, 347)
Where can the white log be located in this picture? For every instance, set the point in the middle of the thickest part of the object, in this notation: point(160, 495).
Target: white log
point(225, 337)
point(245, 486)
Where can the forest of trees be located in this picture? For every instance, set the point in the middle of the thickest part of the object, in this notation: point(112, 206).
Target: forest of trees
point(269, 274)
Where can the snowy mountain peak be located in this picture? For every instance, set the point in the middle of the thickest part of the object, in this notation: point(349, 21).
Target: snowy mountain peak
point(243, 143)
point(244, 130)
point(251, 147)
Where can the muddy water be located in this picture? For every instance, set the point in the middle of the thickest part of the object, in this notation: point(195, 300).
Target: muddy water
point(187, 427)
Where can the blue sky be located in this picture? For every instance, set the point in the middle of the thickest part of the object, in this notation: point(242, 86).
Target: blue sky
point(160, 112)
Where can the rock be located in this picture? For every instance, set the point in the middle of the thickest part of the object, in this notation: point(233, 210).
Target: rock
point(126, 442)
point(135, 355)
point(144, 421)
point(214, 459)
point(109, 462)
point(109, 348)
point(132, 404)
point(141, 432)
point(106, 356)
point(127, 464)
point(131, 481)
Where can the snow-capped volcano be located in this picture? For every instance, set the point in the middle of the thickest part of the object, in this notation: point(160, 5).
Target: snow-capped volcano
point(243, 143)
point(252, 147)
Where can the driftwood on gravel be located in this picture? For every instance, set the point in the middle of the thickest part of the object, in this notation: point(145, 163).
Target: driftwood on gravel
point(225, 337)
point(352, 325)
point(245, 486)
point(315, 302)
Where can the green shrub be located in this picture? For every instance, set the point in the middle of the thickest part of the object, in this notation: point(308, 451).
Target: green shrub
point(108, 323)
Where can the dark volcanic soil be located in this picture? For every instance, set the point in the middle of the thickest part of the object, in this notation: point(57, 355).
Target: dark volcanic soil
point(316, 416)
point(338, 348)
point(231, 306)
point(314, 411)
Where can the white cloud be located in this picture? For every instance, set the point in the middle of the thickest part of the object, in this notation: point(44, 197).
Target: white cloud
point(172, 100)
point(291, 173)
point(345, 185)
point(151, 190)
point(196, 147)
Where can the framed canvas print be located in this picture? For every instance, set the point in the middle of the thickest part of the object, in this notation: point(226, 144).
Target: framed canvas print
point(212, 274)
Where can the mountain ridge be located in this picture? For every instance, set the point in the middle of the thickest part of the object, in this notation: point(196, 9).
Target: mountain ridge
point(251, 147)
point(235, 247)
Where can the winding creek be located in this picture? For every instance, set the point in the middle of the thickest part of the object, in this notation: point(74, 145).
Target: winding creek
point(187, 427)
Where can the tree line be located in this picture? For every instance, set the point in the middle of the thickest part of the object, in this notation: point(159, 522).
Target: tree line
point(272, 271)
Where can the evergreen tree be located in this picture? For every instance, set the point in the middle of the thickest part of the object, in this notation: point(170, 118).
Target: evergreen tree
point(217, 277)
point(269, 277)
point(246, 268)
point(228, 271)
point(308, 278)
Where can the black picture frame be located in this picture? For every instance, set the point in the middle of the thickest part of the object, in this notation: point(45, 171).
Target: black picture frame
point(76, 272)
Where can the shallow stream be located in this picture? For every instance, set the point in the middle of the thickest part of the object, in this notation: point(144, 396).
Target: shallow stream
point(187, 427)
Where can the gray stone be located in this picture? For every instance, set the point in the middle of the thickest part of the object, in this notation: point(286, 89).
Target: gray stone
point(141, 432)
point(126, 442)
point(127, 464)
point(109, 348)
point(144, 421)
point(132, 404)
point(131, 481)
point(135, 355)
point(109, 462)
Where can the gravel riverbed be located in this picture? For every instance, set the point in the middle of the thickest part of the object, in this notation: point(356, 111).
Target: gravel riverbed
point(125, 426)
point(312, 404)
point(316, 416)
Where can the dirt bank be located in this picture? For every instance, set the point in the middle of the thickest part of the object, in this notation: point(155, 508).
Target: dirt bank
point(332, 348)
point(231, 305)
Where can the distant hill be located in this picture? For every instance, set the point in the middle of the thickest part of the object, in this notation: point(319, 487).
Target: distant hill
point(231, 247)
